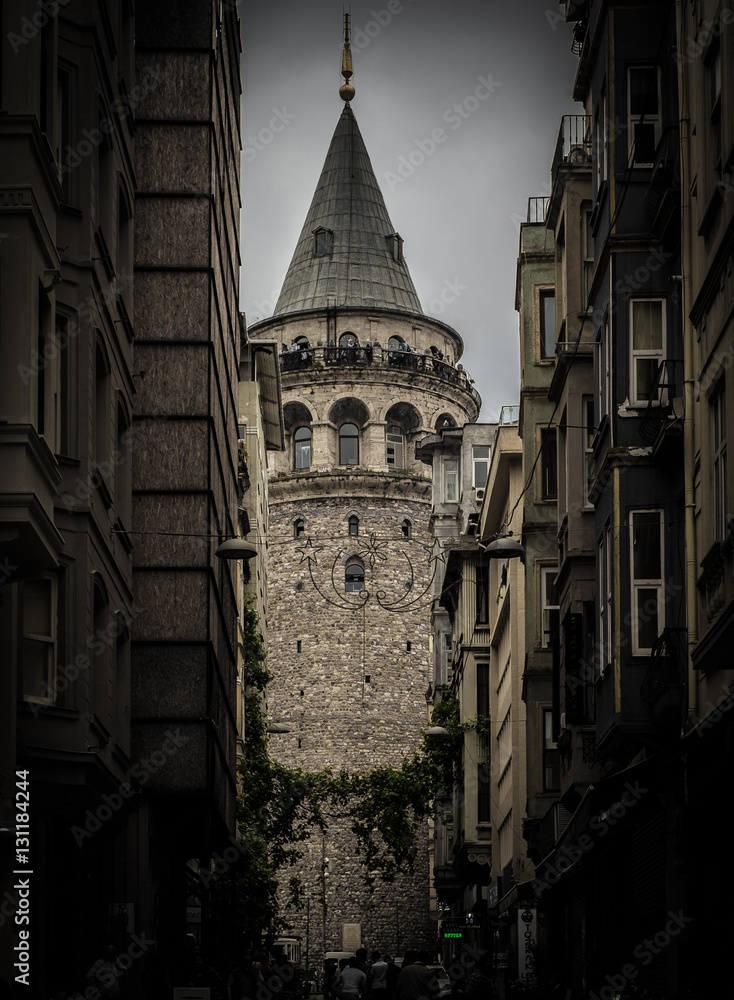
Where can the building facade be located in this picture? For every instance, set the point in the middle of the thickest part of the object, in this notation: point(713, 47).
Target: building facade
point(119, 333)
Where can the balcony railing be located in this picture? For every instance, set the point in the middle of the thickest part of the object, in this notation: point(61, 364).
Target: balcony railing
point(510, 414)
point(573, 145)
point(537, 208)
point(666, 387)
point(371, 355)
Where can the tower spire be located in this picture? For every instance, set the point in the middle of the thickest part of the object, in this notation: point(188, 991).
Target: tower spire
point(346, 91)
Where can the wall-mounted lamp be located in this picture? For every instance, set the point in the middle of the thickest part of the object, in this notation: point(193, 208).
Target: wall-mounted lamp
point(236, 548)
point(504, 547)
point(437, 731)
point(277, 727)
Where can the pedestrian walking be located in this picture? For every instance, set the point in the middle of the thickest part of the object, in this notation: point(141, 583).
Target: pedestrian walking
point(392, 977)
point(378, 977)
point(416, 982)
point(351, 982)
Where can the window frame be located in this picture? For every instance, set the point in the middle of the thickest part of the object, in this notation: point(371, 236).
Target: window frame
point(551, 757)
point(478, 460)
point(550, 434)
point(299, 527)
point(639, 354)
point(545, 570)
point(718, 463)
point(451, 476)
point(588, 432)
point(323, 244)
point(49, 641)
point(398, 460)
point(352, 564)
point(298, 451)
point(642, 119)
point(544, 295)
point(638, 584)
point(344, 437)
point(353, 523)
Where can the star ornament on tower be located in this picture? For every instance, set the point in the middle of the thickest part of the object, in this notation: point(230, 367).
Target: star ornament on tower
point(308, 552)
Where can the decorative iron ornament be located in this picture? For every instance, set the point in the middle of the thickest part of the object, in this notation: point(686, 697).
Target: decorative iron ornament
point(375, 551)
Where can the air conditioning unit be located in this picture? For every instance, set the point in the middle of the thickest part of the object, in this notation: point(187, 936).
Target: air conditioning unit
point(480, 494)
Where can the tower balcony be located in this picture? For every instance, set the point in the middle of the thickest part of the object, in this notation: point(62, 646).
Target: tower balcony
point(374, 355)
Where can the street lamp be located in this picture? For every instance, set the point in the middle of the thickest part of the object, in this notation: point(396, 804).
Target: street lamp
point(504, 547)
point(236, 548)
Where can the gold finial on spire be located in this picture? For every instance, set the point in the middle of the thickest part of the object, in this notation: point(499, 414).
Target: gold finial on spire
point(346, 91)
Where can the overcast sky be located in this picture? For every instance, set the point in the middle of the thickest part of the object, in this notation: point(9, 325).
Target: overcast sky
point(488, 79)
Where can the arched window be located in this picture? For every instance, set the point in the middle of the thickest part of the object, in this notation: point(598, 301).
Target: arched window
point(395, 344)
point(405, 527)
point(302, 343)
point(348, 339)
point(299, 527)
point(302, 448)
point(353, 525)
point(348, 444)
point(395, 447)
point(354, 578)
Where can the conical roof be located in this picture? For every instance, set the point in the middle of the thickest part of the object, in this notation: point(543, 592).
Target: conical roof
point(358, 267)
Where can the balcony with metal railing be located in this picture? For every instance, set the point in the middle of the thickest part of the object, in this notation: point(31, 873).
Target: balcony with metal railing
point(573, 146)
point(372, 355)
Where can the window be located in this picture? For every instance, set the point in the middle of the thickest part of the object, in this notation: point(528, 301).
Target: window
point(123, 483)
point(551, 757)
point(451, 479)
point(66, 402)
point(718, 413)
point(395, 447)
point(406, 527)
point(646, 558)
point(354, 578)
point(482, 689)
point(302, 343)
point(601, 140)
point(101, 405)
point(348, 444)
point(353, 525)
point(482, 590)
point(39, 639)
point(643, 114)
point(647, 322)
point(395, 344)
point(348, 339)
point(480, 465)
point(604, 370)
point(302, 448)
point(589, 430)
point(323, 242)
point(548, 602)
point(395, 246)
point(548, 464)
point(604, 564)
point(299, 528)
point(713, 72)
point(547, 309)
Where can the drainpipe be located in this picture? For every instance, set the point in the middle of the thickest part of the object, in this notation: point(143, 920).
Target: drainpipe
point(688, 360)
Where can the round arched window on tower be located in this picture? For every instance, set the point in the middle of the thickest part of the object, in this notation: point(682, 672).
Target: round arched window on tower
point(302, 448)
point(348, 444)
point(354, 577)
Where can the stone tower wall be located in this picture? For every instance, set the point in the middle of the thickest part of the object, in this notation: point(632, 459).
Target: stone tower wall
point(351, 671)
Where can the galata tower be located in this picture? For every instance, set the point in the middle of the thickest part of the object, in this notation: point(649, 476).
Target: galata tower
point(365, 375)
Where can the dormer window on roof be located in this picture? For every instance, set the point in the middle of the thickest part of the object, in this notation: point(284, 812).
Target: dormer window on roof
point(323, 242)
point(395, 247)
